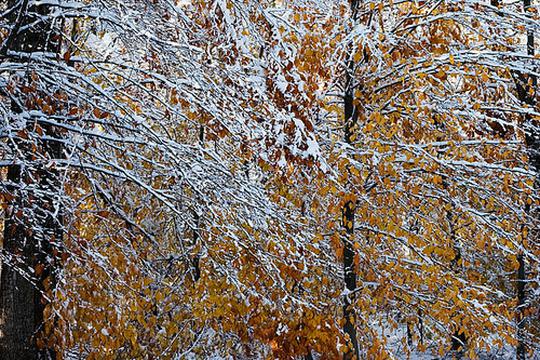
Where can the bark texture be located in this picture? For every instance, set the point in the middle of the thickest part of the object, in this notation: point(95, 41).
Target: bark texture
point(348, 213)
point(32, 227)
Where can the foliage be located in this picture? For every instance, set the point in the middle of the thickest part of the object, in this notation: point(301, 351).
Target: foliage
point(205, 172)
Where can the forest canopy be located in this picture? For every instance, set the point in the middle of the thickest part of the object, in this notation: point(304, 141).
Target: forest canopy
point(258, 179)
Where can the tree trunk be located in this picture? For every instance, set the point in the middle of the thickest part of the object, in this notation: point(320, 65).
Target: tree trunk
point(459, 340)
point(526, 90)
point(32, 227)
point(18, 296)
point(521, 350)
point(348, 213)
point(350, 282)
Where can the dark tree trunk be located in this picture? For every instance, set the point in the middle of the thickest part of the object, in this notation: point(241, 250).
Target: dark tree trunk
point(348, 213)
point(197, 257)
point(350, 281)
point(18, 296)
point(409, 335)
point(521, 350)
point(421, 326)
point(459, 340)
point(526, 90)
point(32, 227)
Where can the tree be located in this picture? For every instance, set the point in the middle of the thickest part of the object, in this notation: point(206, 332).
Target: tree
point(33, 228)
point(278, 179)
point(526, 85)
point(351, 115)
point(420, 89)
